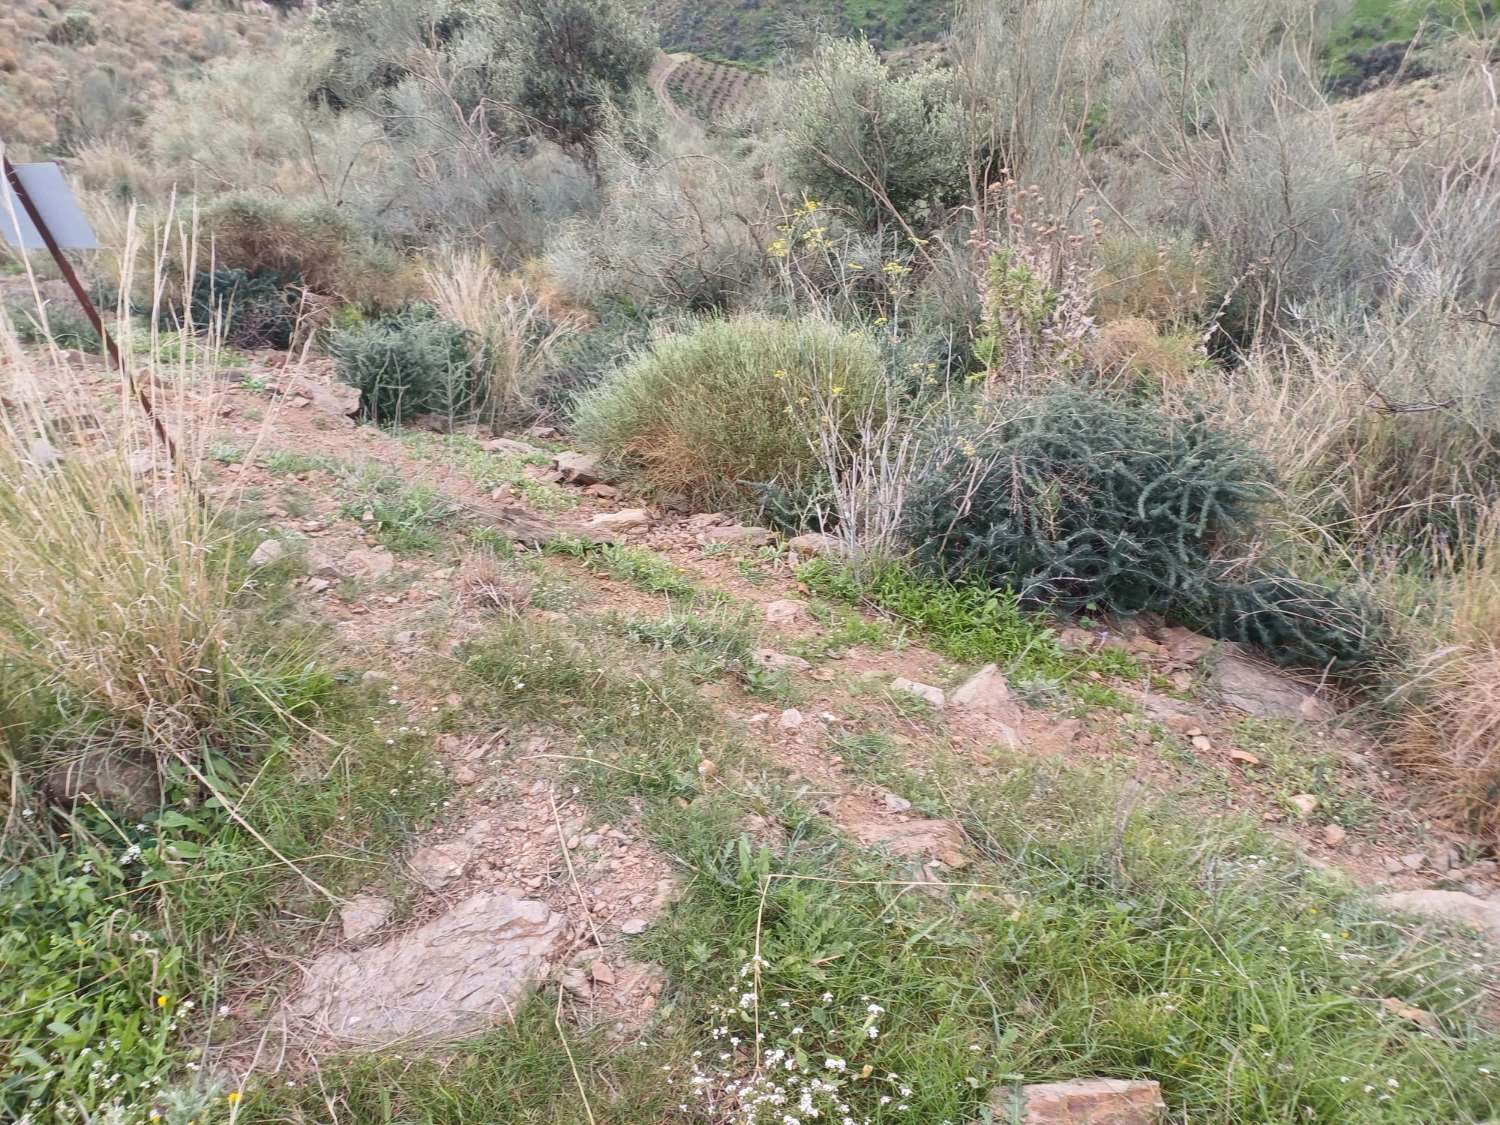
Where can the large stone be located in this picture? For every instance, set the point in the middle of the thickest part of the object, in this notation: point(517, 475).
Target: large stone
point(119, 784)
point(1083, 1101)
point(270, 551)
point(338, 399)
point(783, 611)
point(817, 544)
point(1183, 645)
point(437, 865)
point(772, 661)
point(578, 468)
point(372, 563)
point(1260, 689)
point(362, 915)
point(933, 696)
point(631, 519)
point(461, 973)
point(321, 565)
point(1448, 906)
point(986, 690)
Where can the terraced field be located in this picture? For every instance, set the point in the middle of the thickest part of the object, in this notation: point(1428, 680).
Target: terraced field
point(707, 89)
point(755, 30)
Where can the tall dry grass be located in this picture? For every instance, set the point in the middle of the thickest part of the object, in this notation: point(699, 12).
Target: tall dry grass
point(1448, 733)
point(116, 580)
point(517, 319)
point(1385, 430)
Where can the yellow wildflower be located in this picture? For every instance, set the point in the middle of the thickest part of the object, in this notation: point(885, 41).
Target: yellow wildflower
point(232, 1097)
point(161, 1001)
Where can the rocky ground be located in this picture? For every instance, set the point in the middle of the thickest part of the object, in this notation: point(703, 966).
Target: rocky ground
point(521, 880)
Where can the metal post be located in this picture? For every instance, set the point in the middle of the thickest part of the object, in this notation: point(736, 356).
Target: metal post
point(141, 394)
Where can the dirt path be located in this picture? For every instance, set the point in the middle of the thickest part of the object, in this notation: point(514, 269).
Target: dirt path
point(516, 838)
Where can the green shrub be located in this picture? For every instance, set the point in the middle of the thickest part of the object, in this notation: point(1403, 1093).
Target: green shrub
point(66, 323)
point(727, 402)
point(407, 364)
point(858, 137)
point(584, 357)
point(73, 28)
point(1089, 504)
point(312, 241)
point(258, 310)
point(1297, 623)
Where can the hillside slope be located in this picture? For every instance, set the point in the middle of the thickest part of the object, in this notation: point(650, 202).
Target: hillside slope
point(754, 30)
point(70, 73)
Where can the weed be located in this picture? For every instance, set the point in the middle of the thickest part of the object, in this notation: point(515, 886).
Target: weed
point(405, 517)
point(644, 569)
point(844, 629)
point(1095, 941)
point(292, 461)
point(967, 622)
point(709, 646)
point(490, 470)
point(732, 401)
point(520, 1074)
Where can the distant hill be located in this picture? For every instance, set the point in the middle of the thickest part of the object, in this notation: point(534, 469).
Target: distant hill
point(753, 30)
point(70, 72)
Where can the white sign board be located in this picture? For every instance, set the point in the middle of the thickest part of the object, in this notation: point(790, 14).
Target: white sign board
point(54, 201)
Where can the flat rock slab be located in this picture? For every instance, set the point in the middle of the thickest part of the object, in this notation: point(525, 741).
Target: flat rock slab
point(932, 696)
point(631, 519)
point(461, 973)
point(581, 469)
point(1449, 906)
point(1083, 1101)
point(1265, 691)
point(338, 399)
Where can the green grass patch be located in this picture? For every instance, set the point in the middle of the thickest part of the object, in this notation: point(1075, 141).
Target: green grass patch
point(968, 622)
point(517, 1075)
point(490, 470)
point(405, 517)
point(646, 570)
point(708, 646)
point(1100, 940)
point(126, 934)
point(1109, 943)
point(293, 461)
point(124, 937)
point(1370, 23)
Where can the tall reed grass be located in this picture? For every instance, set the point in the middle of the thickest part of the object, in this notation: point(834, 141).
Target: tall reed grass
point(117, 578)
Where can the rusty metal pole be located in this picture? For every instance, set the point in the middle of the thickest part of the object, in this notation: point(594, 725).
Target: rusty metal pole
point(71, 277)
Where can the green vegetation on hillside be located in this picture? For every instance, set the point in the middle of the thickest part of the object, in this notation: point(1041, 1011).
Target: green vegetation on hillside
point(758, 32)
point(628, 465)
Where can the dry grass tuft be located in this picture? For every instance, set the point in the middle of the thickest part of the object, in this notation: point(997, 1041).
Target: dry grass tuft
point(487, 585)
point(1135, 348)
point(1449, 729)
point(115, 578)
point(517, 319)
